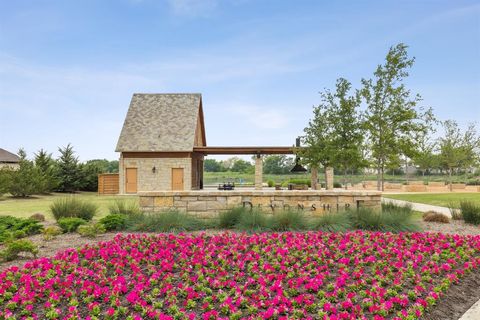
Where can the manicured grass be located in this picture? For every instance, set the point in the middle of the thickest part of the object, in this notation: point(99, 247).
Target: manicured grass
point(438, 199)
point(23, 208)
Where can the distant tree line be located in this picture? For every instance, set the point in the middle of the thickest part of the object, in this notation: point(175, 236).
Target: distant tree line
point(44, 174)
point(382, 125)
point(273, 164)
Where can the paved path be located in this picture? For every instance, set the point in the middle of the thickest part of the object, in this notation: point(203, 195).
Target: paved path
point(473, 313)
point(422, 207)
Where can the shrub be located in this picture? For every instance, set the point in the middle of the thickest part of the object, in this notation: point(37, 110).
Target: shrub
point(14, 228)
point(307, 182)
point(271, 183)
point(114, 222)
point(432, 216)
point(392, 218)
point(72, 207)
point(124, 207)
point(70, 224)
point(15, 247)
point(337, 185)
point(38, 217)
point(51, 232)
point(288, 220)
point(254, 220)
point(91, 230)
point(454, 211)
point(470, 212)
point(230, 218)
point(169, 221)
point(332, 222)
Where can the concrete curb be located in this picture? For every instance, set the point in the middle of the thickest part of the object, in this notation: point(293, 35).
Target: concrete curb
point(473, 313)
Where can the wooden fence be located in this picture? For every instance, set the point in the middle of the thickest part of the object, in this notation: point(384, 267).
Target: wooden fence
point(108, 183)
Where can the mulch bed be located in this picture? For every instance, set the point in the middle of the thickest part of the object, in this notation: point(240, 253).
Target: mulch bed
point(457, 300)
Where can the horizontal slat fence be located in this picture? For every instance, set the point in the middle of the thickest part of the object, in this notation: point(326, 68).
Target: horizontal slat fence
point(108, 183)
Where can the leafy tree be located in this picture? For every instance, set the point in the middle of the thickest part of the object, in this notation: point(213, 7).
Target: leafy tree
point(89, 171)
point(68, 172)
point(212, 165)
point(27, 180)
point(424, 158)
point(346, 122)
point(393, 117)
point(5, 179)
point(457, 149)
point(46, 166)
point(277, 164)
point(242, 166)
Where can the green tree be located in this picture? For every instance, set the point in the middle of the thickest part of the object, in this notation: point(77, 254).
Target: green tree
point(393, 117)
point(46, 166)
point(346, 121)
point(68, 172)
point(27, 180)
point(5, 179)
point(458, 149)
point(277, 164)
point(242, 166)
point(424, 158)
point(212, 165)
point(89, 171)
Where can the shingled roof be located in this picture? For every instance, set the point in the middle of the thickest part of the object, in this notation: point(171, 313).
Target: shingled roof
point(161, 123)
point(8, 157)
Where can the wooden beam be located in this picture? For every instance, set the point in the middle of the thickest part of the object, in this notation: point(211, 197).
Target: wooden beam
point(244, 150)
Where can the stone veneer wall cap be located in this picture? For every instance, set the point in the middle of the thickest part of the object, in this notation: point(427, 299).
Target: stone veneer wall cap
point(263, 193)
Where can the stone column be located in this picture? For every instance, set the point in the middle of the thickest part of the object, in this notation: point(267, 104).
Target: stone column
point(314, 178)
point(258, 172)
point(328, 178)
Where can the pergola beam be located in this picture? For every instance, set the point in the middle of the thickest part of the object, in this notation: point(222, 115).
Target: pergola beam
point(243, 150)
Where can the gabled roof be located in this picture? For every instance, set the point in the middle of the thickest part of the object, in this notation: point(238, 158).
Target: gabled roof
point(6, 156)
point(162, 122)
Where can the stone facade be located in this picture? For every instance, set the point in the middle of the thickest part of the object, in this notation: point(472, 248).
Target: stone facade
point(162, 178)
point(208, 204)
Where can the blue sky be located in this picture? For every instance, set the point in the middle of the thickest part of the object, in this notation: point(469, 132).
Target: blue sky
point(68, 68)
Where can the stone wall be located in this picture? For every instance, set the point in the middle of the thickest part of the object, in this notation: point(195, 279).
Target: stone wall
point(162, 178)
point(207, 204)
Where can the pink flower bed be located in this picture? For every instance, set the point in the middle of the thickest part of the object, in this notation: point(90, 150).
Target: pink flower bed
point(314, 275)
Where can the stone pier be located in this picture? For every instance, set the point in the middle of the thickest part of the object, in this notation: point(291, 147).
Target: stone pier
point(258, 172)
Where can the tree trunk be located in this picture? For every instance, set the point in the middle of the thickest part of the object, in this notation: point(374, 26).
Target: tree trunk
point(383, 179)
point(450, 177)
point(314, 178)
point(345, 179)
point(379, 175)
point(406, 170)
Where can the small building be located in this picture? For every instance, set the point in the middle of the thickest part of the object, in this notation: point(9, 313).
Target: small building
point(8, 159)
point(157, 143)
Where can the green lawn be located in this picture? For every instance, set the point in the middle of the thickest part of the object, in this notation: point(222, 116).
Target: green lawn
point(438, 199)
point(41, 204)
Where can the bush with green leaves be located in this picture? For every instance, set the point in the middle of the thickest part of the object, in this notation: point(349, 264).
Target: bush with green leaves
point(270, 183)
point(124, 207)
point(13, 248)
point(470, 212)
point(114, 222)
point(229, 218)
point(70, 224)
point(288, 220)
point(69, 207)
point(91, 230)
point(51, 232)
point(169, 221)
point(15, 228)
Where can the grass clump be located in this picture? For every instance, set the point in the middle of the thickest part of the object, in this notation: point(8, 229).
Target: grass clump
point(454, 211)
point(288, 220)
point(69, 207)
point(70, 224)
point(121, 206)
point(392, 218)
point(470, 212)
point(51, 232)
point(13, 248)
point(432, 216)
point(253, 220)
point(230, 218)
point(169, 221)
point(332, 222)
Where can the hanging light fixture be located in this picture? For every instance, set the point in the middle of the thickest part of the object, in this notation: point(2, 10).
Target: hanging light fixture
point(297, 167)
